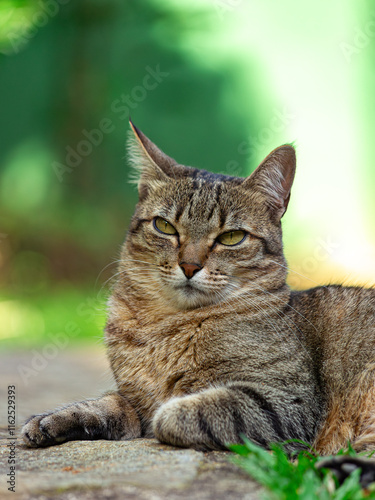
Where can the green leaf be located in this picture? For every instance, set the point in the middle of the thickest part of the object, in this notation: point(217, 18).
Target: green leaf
point(297, 479)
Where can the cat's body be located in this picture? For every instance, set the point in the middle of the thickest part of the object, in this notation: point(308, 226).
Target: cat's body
point(206, 341)
point(196, 350)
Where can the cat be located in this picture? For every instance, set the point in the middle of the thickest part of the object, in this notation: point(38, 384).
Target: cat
point(205, 339)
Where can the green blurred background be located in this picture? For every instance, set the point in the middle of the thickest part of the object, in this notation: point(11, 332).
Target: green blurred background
point(216, 84)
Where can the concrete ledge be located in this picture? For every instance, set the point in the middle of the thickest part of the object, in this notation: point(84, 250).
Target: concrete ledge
point(142, 469)
point(138, 469)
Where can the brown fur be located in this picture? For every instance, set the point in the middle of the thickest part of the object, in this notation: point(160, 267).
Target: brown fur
point(351, 418)
point(206, 341)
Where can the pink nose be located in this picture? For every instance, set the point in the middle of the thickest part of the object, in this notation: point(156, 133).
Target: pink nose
point(190, 269)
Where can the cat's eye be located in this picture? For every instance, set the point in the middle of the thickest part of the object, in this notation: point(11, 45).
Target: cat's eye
point(231, 238)
point(164, 226)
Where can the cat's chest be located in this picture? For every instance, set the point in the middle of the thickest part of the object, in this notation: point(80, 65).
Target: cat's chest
point(158, 362)
point(153, 364)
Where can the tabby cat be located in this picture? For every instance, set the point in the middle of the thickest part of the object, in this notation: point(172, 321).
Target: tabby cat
point(206, 341)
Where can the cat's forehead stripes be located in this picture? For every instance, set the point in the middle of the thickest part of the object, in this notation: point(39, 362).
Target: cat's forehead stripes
point(203, 203)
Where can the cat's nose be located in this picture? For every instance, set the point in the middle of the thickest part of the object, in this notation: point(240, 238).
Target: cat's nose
point(190, 269)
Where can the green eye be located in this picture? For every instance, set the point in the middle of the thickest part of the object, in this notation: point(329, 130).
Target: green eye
point(231, 237)
point(163, 226)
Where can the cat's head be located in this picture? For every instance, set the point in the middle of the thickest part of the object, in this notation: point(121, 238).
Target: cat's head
point(198, 238)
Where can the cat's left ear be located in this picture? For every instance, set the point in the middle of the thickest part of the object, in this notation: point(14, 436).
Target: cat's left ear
point(274, 177)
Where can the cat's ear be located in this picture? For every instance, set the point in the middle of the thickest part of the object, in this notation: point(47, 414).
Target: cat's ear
point(273, 178)
point(150, 163)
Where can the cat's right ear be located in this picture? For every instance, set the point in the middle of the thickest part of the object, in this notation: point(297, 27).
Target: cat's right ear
point(151, 165)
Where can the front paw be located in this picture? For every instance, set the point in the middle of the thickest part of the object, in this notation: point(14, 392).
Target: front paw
point(189, 423)
point(41, 430)
point(74, 421)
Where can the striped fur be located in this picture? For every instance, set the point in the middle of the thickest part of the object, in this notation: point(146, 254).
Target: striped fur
point(231, 351)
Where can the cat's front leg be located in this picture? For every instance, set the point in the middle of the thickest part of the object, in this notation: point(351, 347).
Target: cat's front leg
point(108, 417)
point(216, 417)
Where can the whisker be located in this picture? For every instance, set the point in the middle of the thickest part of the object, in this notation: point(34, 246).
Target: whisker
point(282, 336)
point(260, 288)
point(296, 272)
point(289, 305)
point(138, 260)
point(246, 299)
point(286, 319)
point(114, 262)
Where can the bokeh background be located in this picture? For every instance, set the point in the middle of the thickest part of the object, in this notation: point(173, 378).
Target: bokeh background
point(216, 84)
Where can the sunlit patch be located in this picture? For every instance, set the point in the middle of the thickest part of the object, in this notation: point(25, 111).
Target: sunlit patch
point(355, 254)
point(26, 182)
point(19, 319)
point(16, 20)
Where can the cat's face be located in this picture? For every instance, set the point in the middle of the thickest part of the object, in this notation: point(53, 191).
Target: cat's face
point(197, 238)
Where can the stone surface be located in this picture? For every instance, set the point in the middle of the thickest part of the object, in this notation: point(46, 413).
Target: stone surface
point(140, 469)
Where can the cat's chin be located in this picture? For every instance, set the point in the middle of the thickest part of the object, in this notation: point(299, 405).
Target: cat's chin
point(189, 297)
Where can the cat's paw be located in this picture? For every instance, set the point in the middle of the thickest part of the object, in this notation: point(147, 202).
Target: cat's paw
point(174, 422)
point(42, 430)
point(74, 421)
point(109, 417)
point(189, 422)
